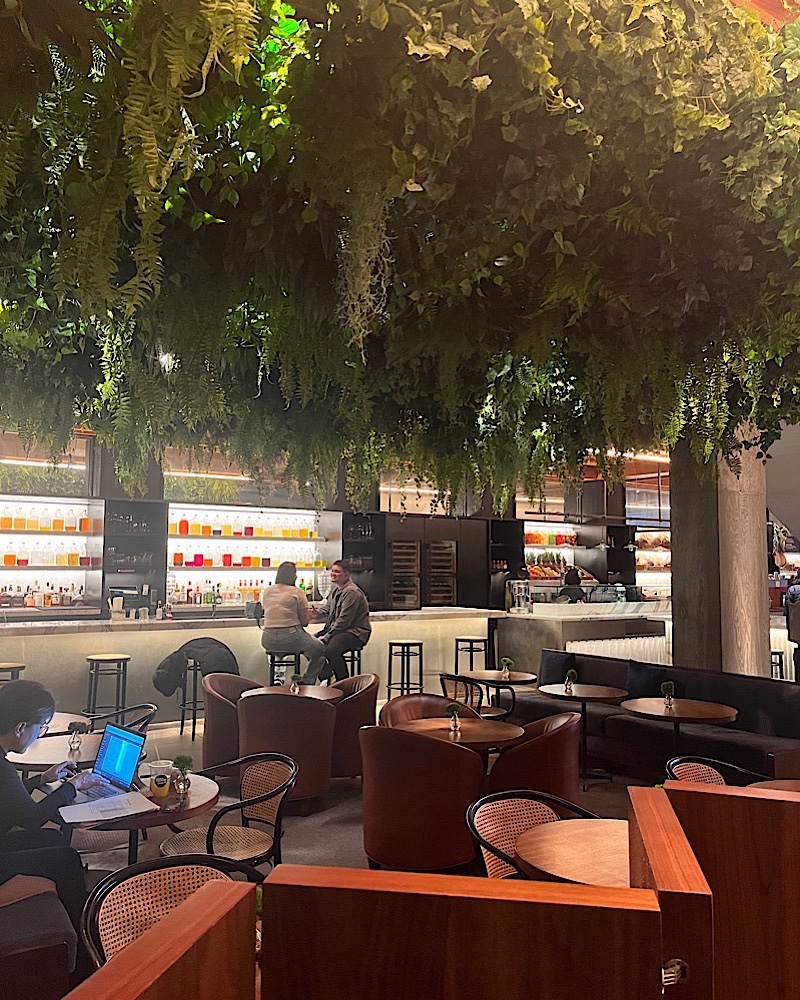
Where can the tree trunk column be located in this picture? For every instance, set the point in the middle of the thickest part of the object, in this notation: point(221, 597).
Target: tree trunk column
point(744, 604)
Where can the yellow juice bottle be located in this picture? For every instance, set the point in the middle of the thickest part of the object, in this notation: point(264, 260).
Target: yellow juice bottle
point(172, 527)
point(227, 529)
point(32, 524)
point(73, 559)
point(194, 528)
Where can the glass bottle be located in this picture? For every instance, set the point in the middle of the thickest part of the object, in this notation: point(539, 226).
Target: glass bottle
point(32, 522)
point(73, 557)
point(177, 559)
point(58, 521)
point(227, 527)
point(6, 521)
point(216, 526)
point(71, 521)
point(237, 527)
point(172, 527)
point(183, 526)
point(84, 524)
point(23, 556)
point(61, 556)
point(19, 519)
point(45, 520)
point(48, 556)
point(205, 526)
point(194, 526)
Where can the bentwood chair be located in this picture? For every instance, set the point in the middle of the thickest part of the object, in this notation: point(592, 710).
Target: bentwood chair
point(266, 778)
point(128, 902)
point(495, 821)
point(419, 706)
point(136, 717)
point(708, 771)
point(468, 692)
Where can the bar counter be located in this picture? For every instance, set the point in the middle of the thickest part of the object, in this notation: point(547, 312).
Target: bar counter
point(55, 652)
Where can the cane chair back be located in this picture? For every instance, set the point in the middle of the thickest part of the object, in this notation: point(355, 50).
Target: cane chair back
point(709, 771)
point(128, 902)
point(462, 690)
point(136, 717)
point(692, 771)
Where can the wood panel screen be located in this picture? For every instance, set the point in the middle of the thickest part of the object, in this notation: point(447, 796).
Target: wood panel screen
point(747, 841)
point(662, 859)
point(204, 949)
point(396, 935)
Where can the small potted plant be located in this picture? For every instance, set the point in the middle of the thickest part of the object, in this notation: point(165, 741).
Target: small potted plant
point(76, 730)
point(569, 680)
point(668, 690)
point(182, 781)
point(506, 666)
point(294, 687)
point(452, 710)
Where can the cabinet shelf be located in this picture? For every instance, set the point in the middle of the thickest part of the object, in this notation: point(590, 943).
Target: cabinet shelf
point(47, 569)
point(553, 548)
point(242, 570)
point(50, 534)
point(238, 539)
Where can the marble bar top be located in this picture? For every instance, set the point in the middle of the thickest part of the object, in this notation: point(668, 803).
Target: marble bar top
point(611, 611)
point(96, 627)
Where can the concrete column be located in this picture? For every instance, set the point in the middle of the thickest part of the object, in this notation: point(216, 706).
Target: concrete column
point(744, 603)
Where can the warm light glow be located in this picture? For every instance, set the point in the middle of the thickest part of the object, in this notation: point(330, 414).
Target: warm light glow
point(181, 474)
point(41, 464)
point(641, 456)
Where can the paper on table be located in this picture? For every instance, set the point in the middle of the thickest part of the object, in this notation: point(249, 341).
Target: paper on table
point(116, 807)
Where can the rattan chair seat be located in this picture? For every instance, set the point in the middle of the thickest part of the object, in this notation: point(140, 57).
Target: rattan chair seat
point(237, 842)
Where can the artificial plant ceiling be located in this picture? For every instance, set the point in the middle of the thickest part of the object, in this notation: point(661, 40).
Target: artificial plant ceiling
point(477, 238)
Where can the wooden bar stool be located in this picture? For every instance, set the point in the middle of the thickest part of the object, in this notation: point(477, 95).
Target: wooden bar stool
point(279, 664)
point(406, 651)
point(107, 665)
point(775, 659)
point(472, 645)
point(352, 659)
point(194, 703)
point(14, 670)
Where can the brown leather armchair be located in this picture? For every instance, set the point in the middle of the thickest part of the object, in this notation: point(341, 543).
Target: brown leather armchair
point(302, 728)
point(545, 759)
point(221, 727)
point(419, 706)
point(415, 795)
point(356, 709)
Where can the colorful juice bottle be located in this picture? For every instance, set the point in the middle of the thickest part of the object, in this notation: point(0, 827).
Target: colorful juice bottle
point(6, 520)
point(32, 523)
point(207, 561)
point(246, 561)
point(194, 528)
point(205, 529)
point(70, 522)
point(177, 559)
point(227, 529)
point(86, 561)
point(172, 527)
point(248, 531)
point(258, 531)
point(73, 559)
point(19, 519)
point(304, 532)
point(183, 526)
point(58, 522)
point(9, 559)
point(45, 521)
point(61, 556)
point(84, 525)
point(23, 557)
point(237, 527)
point(227, 559)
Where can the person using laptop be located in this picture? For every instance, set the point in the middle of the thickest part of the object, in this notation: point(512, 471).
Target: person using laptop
point(115, 765)
point(26, 708)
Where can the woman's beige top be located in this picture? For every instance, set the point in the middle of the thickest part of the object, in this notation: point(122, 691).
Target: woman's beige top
point(284, 606)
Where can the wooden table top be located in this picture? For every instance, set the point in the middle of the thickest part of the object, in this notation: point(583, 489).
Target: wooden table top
point(479, 734)
point(46, 751)
point(682, 710)
point(778, 784)
point(306, 691)
point(588, 851)
point(492, 678)
point(584, 692)
point(57, 726)
point(203, 795)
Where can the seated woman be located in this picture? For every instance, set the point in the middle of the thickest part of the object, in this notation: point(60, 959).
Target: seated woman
point(285, 617)
point(25, 710)
point(572, 589)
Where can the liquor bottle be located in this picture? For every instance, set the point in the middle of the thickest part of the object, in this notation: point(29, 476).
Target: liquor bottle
point(55, 598)
point(198, 594)
point(47, 596)
point(159, 612)
point(189, 599)
point(218, 595)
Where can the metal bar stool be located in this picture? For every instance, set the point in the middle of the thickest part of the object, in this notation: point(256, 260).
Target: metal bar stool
point(406, 651)
point(472, 645)
point(776, 662)
point(107, 665)
point(352, 659)
point(279, 663)
point(14, 670)
point(194, 703)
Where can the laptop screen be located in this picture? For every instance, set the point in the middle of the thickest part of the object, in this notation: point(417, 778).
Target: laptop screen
point(118, 755)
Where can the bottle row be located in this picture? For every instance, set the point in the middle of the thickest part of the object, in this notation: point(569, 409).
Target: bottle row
point(252, 524)
point(43, 520)
point(69, 595)
point(66, 554)
point(228, 593)
point(239, 556)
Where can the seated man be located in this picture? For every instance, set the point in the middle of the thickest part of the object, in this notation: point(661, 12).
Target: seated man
point(346, 622)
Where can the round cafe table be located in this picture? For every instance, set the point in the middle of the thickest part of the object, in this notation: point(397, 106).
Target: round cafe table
point(306, 691)
point(778, 784)
point(681, 710)
point(58, 725)
point(494, 679)
point(203, 795)
point(46, 751)
point(585, 693)
point(477, 734)
point(588, 851)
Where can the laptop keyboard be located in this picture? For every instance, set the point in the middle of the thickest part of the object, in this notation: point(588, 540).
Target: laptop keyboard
point(101, 791)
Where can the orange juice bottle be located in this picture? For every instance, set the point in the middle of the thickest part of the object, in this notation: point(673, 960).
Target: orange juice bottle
point(9, 559)
point(32, 523)
point(84, 525)
point(5, 519)
point(19, 519)
point(194, 528)
point(205, 529)
point(172, 528)
point(70, 521)
point(58, 522)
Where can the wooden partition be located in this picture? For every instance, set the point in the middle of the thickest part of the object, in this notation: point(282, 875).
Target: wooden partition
point(203, 950)
point(336, 934)
point(747, 842)
point(661, 859)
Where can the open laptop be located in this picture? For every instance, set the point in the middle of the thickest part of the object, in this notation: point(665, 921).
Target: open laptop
point(117, 757)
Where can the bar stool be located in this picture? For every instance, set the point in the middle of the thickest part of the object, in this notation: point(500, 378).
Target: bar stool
point(352, 659)
point(407, 651)
point(472, 645)
point(107, 665)
point(14, 670)
point(776, 662)
point(281, 662)
point(194, 703)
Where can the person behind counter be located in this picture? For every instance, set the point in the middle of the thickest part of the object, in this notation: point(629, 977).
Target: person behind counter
point(286, 613)
point(572, 589)
point(346, 619)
